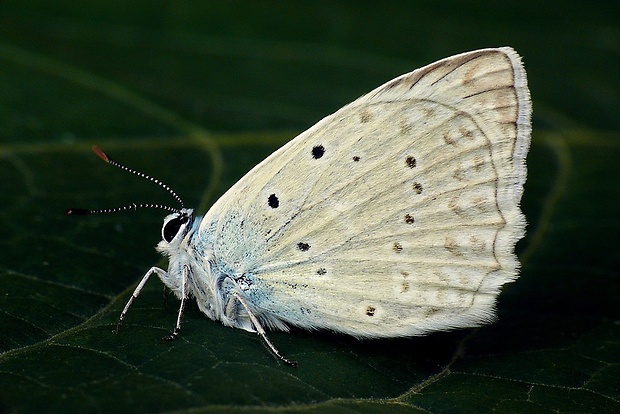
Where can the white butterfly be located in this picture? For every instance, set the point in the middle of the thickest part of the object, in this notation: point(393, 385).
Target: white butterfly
point(395, 216)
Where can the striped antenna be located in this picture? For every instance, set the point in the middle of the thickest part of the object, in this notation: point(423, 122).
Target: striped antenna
point(134, 206)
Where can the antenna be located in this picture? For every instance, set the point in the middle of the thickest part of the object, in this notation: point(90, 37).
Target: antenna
point(133, 206)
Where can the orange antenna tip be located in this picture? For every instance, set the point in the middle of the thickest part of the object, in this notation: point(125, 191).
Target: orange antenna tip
point(100, 153)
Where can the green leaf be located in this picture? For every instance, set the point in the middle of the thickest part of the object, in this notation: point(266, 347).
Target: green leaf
point(196, 94)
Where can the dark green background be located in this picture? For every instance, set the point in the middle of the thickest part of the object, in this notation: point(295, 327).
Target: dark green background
point(197, 93)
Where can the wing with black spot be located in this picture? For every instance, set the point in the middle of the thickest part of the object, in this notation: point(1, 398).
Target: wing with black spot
point(396, 215)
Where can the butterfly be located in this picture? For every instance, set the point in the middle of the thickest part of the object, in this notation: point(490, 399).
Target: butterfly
point(395, 216)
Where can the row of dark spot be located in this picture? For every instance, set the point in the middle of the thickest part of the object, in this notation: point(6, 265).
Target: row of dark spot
point(410, 162)
point(317, 152)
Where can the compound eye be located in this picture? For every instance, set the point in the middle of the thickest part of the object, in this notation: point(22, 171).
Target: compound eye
point(171, 228)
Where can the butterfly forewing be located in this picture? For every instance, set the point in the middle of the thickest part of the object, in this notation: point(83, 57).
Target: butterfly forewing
point(395, 216)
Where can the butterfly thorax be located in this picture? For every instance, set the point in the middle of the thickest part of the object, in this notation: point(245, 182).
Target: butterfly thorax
point(189, 262)
point(191, 258)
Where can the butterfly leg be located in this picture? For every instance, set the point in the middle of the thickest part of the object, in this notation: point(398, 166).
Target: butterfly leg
point(177, 328)
point(261, 332)
point(136, 292)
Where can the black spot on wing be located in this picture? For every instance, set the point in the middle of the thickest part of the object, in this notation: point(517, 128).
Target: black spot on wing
point(318, 151)
point(410, 161)
point(304, 247)
point(273, 201)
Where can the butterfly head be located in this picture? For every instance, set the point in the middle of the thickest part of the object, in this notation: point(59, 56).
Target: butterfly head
point(176, 225)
